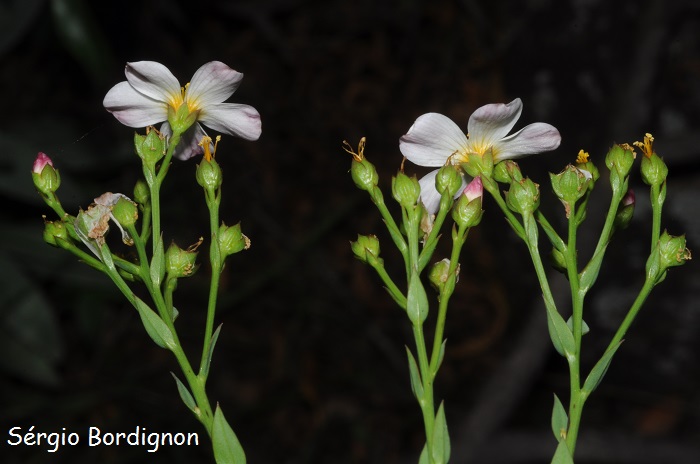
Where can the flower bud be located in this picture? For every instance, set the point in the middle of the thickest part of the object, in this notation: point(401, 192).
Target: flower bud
point(448, 180)
point(672, 250)
point(570, 184)
point(232, 240)
point(366, 249)
point(523, 197)
point(53, 231)
point(405, 190)
point(654, 170)
point(619, 161)
point(467, 210)
point(141, 193)
point(440, 273)
point(179, 262)
point(586, 166)
point(209, 174)
point(507, 171)
point(125, 212)
point(364, 174)
point(151, 147)
point(625, 210)
point(46, 178)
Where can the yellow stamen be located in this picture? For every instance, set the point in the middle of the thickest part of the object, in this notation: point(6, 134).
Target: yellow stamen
point(205, 143)
point(646, 145)
point(582, 157)
point(360, 155)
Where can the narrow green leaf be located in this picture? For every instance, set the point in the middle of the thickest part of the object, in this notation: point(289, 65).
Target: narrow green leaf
point(441, 438)
point(424, 458)
point(599, 370)
point(560, 420)
point(559, 332)
point(416, 300)
point(416, 384)
point(584, 329)
point(227, 448)
point(562, 454)
point(207, 360)
point(158, 263)
point(154, 325)
point(427, 253)
point(590, 273)
point(185, 395)
point(441, 355)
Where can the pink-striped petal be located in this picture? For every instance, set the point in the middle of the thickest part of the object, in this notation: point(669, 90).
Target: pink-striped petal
point(492, 122)
point(153, 80)
point(234, 119)
point(132, 108)
point(534, 138)
point(431, 140)
point(214, 82)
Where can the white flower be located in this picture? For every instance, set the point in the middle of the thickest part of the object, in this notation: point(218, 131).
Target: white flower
point(434, 140)
point(151, 91)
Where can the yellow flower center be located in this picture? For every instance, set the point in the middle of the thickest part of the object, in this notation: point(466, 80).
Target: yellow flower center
point(646, 145)
point(205, 143)
point(582, 157)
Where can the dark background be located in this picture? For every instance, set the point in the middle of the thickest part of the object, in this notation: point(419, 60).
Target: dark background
point(310, 366)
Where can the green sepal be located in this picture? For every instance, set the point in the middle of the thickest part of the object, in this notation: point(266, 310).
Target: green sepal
point(562, 455)
point(441, 438)
point(416, 300)
point(560, 420)
point(158, 263)
point(227, 448)
point(185, 395)
point(599, 370)
point(154, 325)
point(204, 370)
point(416, 384)
point(559, 332)
point(584, 327)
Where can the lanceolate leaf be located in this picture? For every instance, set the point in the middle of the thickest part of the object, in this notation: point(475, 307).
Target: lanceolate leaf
point(416, 384)
point(562, 454)
point(559, 332)
point(207, 360)
point(185, 395)
point(227, 448)
point(560, 421)
point(441, 438)
point(154, 325)
point(599, 370)
point(417, 300)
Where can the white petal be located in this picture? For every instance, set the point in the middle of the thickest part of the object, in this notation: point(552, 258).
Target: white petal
point(429, 195)
point(431, 140)
point(214, 82)
point(234, 119)
point(491, 123)
point(153, 80)
point(534, 138)
point(132, 108)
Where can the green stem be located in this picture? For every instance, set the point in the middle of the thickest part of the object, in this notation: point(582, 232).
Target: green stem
point(458, 241)
point(213, 202)
point(391, 287)
point(576, 399)
point(632, 313)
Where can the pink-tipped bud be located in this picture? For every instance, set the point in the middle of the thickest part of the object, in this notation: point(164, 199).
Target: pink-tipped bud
point(40, 162)
point(628, 199)
point(475, 189)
